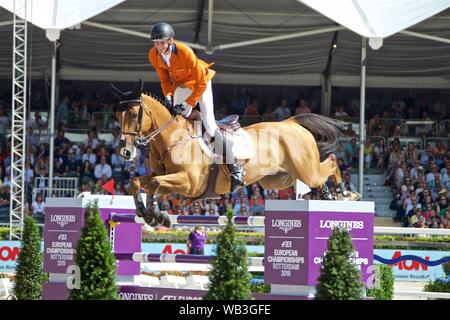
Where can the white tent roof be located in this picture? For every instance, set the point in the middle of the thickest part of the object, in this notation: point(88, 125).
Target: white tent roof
point(378, 18)
point(96, 51)
point(59, 14)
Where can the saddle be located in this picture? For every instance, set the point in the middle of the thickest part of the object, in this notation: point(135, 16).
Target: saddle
point(229, 123)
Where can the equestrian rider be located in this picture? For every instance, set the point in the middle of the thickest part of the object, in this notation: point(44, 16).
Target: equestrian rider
point(187, 80)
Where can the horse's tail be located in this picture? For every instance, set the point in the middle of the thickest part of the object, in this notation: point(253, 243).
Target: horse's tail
point(325, 130)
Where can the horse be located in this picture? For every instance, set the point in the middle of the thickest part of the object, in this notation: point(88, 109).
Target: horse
point(280, 153)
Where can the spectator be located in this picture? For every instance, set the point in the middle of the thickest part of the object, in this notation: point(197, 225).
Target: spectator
point(445, 220)
point(340, 114)
point(91, 140)
point(375, 126)
point(397, 205)
point(380, 152)
point(302, 107)
point(196, 241)
point(351, 151)
point(60, 139)
point(42, 151)
point(410, 154)
point(442, 203)
point(197, 208)
point(348, 183)
point(282, 110)
point(340, 153)
point(369, 150)
point(117, 163)
point(115, 141)
point(36, 122)
point(32, 138)
point(102, 169)
point(242, 203)
point(252, 108)
point(30, 155)
point(417, 220)
point(86, 172)
point(349, 132)
point(63, 110)
point(73, 166)
point(268, 114)
point(426, 155)
point(415, 171)
point(257, 204)
point(89, 156)
point(38, 207)
point(29, 174)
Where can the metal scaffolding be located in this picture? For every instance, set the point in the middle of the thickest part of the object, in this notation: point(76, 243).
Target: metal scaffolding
point(18, 127)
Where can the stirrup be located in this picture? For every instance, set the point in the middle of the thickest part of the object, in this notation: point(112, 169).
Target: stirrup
point(236, 176)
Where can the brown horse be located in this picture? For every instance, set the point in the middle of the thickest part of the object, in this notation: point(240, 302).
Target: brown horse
point(282, 152)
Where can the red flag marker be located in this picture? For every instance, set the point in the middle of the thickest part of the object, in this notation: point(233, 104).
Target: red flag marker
point(109, 186)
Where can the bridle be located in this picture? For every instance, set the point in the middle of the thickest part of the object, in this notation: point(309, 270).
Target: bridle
point(141, 140)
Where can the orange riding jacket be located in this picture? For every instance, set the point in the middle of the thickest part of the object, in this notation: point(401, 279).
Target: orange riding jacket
point(185, 70)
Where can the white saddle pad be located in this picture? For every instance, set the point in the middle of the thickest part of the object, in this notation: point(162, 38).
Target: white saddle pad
point(242, 143)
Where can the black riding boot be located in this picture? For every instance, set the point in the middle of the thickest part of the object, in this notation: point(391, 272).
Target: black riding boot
point(236, 175)
point(223, 146)
point(326, 194)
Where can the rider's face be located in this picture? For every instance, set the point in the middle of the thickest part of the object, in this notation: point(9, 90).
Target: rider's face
point(162, 45)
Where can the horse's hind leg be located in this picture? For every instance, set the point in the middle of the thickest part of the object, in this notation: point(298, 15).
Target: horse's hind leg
point(135, 191)
point(315, 173)
point(346, 194)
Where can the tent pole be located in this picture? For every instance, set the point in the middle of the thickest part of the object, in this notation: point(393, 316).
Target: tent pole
point(52, 120)
point(362, 101)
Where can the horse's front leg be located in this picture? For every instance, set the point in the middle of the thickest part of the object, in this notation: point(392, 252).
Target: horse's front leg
point(135, 191)
point(175, 182)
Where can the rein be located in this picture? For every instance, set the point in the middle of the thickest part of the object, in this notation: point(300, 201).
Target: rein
point(144, 140)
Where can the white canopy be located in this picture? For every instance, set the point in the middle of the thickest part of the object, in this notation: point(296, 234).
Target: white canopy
point(60, 14)
point(378, 18)
point(295, 46)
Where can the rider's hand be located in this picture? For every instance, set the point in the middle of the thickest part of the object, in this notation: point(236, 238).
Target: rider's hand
point(183, 108)
point(168, 101)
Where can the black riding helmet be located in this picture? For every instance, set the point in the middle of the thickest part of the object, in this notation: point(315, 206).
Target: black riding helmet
point(162, 31)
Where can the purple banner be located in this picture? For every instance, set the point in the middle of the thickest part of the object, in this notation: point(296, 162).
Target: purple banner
point(61, 234)
point(127, 238)
point(147, 293)
point(295, 242)
point(360, 227)
point(286, 248)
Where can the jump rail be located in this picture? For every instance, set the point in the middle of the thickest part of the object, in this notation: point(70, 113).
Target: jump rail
point(194, 220)
point(177, 258)
point(259, 222)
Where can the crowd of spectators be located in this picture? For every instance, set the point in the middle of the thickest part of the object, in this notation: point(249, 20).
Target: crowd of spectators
point(419, 178)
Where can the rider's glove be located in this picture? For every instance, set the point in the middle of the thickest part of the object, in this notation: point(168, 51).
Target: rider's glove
point(168, 101)
point(183, 108)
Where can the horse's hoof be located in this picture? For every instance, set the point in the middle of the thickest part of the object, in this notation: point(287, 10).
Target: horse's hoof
point(140, 209)
point(164, 220)
point(148, 218)
point(354, 196)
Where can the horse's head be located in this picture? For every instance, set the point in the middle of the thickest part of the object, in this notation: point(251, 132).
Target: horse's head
point(129, 111)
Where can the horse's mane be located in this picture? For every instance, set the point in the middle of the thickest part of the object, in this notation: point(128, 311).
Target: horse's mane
point(157, 98)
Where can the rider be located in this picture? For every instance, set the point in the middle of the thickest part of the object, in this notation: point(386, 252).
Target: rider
point(187, 80)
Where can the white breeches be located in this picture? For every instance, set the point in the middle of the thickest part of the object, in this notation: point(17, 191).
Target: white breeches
point(206, 103)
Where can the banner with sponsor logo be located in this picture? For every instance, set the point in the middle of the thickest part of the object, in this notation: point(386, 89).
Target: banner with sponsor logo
point(413, 265)
point(412, 269)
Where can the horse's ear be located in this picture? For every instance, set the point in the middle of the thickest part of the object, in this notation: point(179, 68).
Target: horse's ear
point(140, 87)
point(117, 93)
